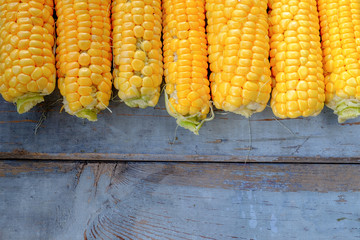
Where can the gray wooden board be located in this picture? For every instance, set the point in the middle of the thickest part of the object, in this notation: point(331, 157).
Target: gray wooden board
point(69, 200)
point(149, 134)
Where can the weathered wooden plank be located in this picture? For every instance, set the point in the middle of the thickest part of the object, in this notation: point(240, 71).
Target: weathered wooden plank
point(52, 200)
point(149, 134)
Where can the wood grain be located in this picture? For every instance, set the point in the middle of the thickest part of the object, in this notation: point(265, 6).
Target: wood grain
point(151, 135)
point(119, 200)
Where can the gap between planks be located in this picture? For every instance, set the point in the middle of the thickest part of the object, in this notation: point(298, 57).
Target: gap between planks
point(145, 158)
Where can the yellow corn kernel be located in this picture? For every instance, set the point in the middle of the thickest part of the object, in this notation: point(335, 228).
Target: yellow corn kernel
point(32, 86)
point(37, 73)
point(137, 64)
point(75, 106)
point(136, 81)
point(73, 97)
point(147, 82)
point(84, 59)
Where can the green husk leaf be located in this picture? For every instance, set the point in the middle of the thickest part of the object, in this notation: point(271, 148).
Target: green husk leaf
point(345, 108)
point(89, 114)
point(192, 122)
point(28, 101)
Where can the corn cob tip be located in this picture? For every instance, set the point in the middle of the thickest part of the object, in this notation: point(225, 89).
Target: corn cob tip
point(345, 109)
point(141, 102)
point(86, 113)
point(192, 122)
point(89, 114)
point(248, 110)
point(28, 101)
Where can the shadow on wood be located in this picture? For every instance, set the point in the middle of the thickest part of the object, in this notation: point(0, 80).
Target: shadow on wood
point(129, 134)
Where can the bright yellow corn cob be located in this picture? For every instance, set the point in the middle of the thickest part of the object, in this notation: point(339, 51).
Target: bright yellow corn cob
point(27, 62)
point(138, 67)
point(296, 59)
point(238, 55)
point(185, 62)
point(340, 32)
point(84, 55)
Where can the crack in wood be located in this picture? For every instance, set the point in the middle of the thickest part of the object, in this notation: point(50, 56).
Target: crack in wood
point(80, 167)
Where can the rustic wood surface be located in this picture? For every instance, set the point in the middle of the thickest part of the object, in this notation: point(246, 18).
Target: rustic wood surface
point(151, 134)
point(119, 200)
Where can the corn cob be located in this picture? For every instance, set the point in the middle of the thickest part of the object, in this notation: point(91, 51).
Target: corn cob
point(84, 56)
point(340, 32)
point(238, 55)
point(296, 59)
point(138, 66)
point(185, 62)
point(27, 62)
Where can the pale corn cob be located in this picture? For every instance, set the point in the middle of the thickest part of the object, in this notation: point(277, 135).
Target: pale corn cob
point(185, 62)
point(138, 67)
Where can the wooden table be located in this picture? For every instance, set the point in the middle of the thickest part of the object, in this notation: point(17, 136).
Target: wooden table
point(133, 175)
